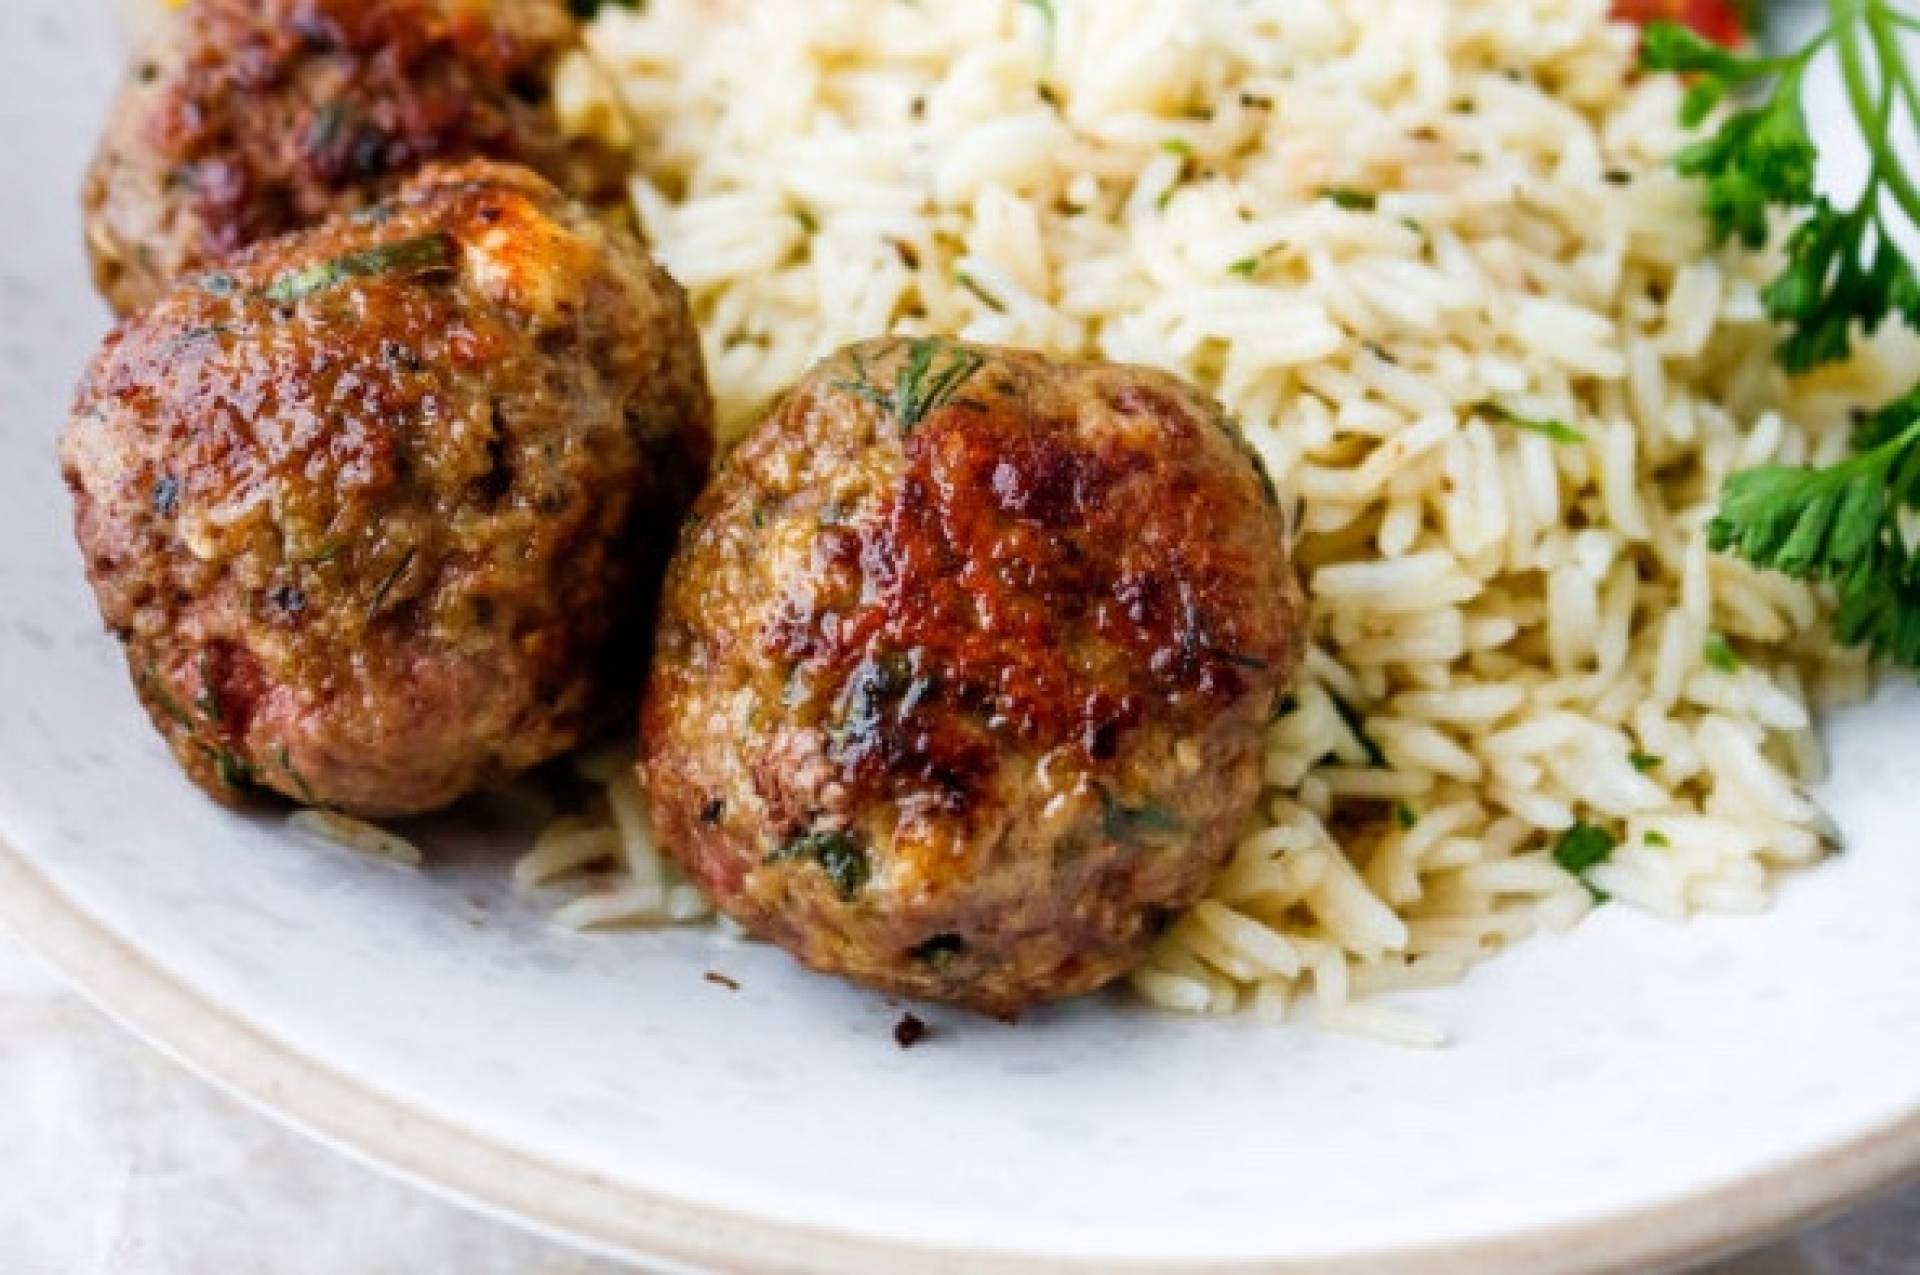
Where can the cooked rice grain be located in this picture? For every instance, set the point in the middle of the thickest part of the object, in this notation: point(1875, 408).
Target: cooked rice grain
point(357, 835)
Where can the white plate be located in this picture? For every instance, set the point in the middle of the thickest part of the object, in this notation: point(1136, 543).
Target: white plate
point(1630, 1093)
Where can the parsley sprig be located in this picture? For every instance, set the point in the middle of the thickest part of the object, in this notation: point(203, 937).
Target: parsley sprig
point(1844, 276)
point(1844, 271)
point(1842, 525)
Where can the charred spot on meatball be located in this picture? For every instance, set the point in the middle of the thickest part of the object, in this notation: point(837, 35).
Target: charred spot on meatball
point(379, 507)
point(246, 119)
point(963, 664)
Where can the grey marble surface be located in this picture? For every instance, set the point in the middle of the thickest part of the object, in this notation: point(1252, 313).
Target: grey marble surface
point(115, 1162)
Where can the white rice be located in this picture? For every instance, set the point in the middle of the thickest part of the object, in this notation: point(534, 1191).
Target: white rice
point(1516, 625)
point(357, 835)
point(603, 862)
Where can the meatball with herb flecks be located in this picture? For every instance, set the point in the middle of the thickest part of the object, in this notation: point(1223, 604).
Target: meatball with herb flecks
point(376, 509)
point(963, 665)
point(245, 119)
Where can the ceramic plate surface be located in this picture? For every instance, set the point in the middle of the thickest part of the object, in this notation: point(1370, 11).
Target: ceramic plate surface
point(1631, 1093)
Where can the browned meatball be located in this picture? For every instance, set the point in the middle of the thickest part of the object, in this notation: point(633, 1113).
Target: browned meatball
point(963, 666)
point(245, 119)
point(371, 507)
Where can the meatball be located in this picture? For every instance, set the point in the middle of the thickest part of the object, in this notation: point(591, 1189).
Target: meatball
point(374, 509)
point(245, 119)
point(963, 666)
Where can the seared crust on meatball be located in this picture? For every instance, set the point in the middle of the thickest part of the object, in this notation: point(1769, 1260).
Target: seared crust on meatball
point(963, 665)
point(245, 119)
point(372, 507)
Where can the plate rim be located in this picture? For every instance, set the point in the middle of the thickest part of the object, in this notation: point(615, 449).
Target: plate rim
point(480, 1173)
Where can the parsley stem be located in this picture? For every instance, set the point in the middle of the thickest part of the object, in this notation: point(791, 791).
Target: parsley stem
point(1883, 460)
point(1887, 45)
point(1848, 16)
point(1794, 63)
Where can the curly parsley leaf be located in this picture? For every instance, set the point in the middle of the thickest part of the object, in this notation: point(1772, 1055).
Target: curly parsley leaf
point(1841, 525)
point(1843, 273)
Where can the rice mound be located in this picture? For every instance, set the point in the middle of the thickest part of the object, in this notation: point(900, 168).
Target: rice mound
point(1432, 256)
